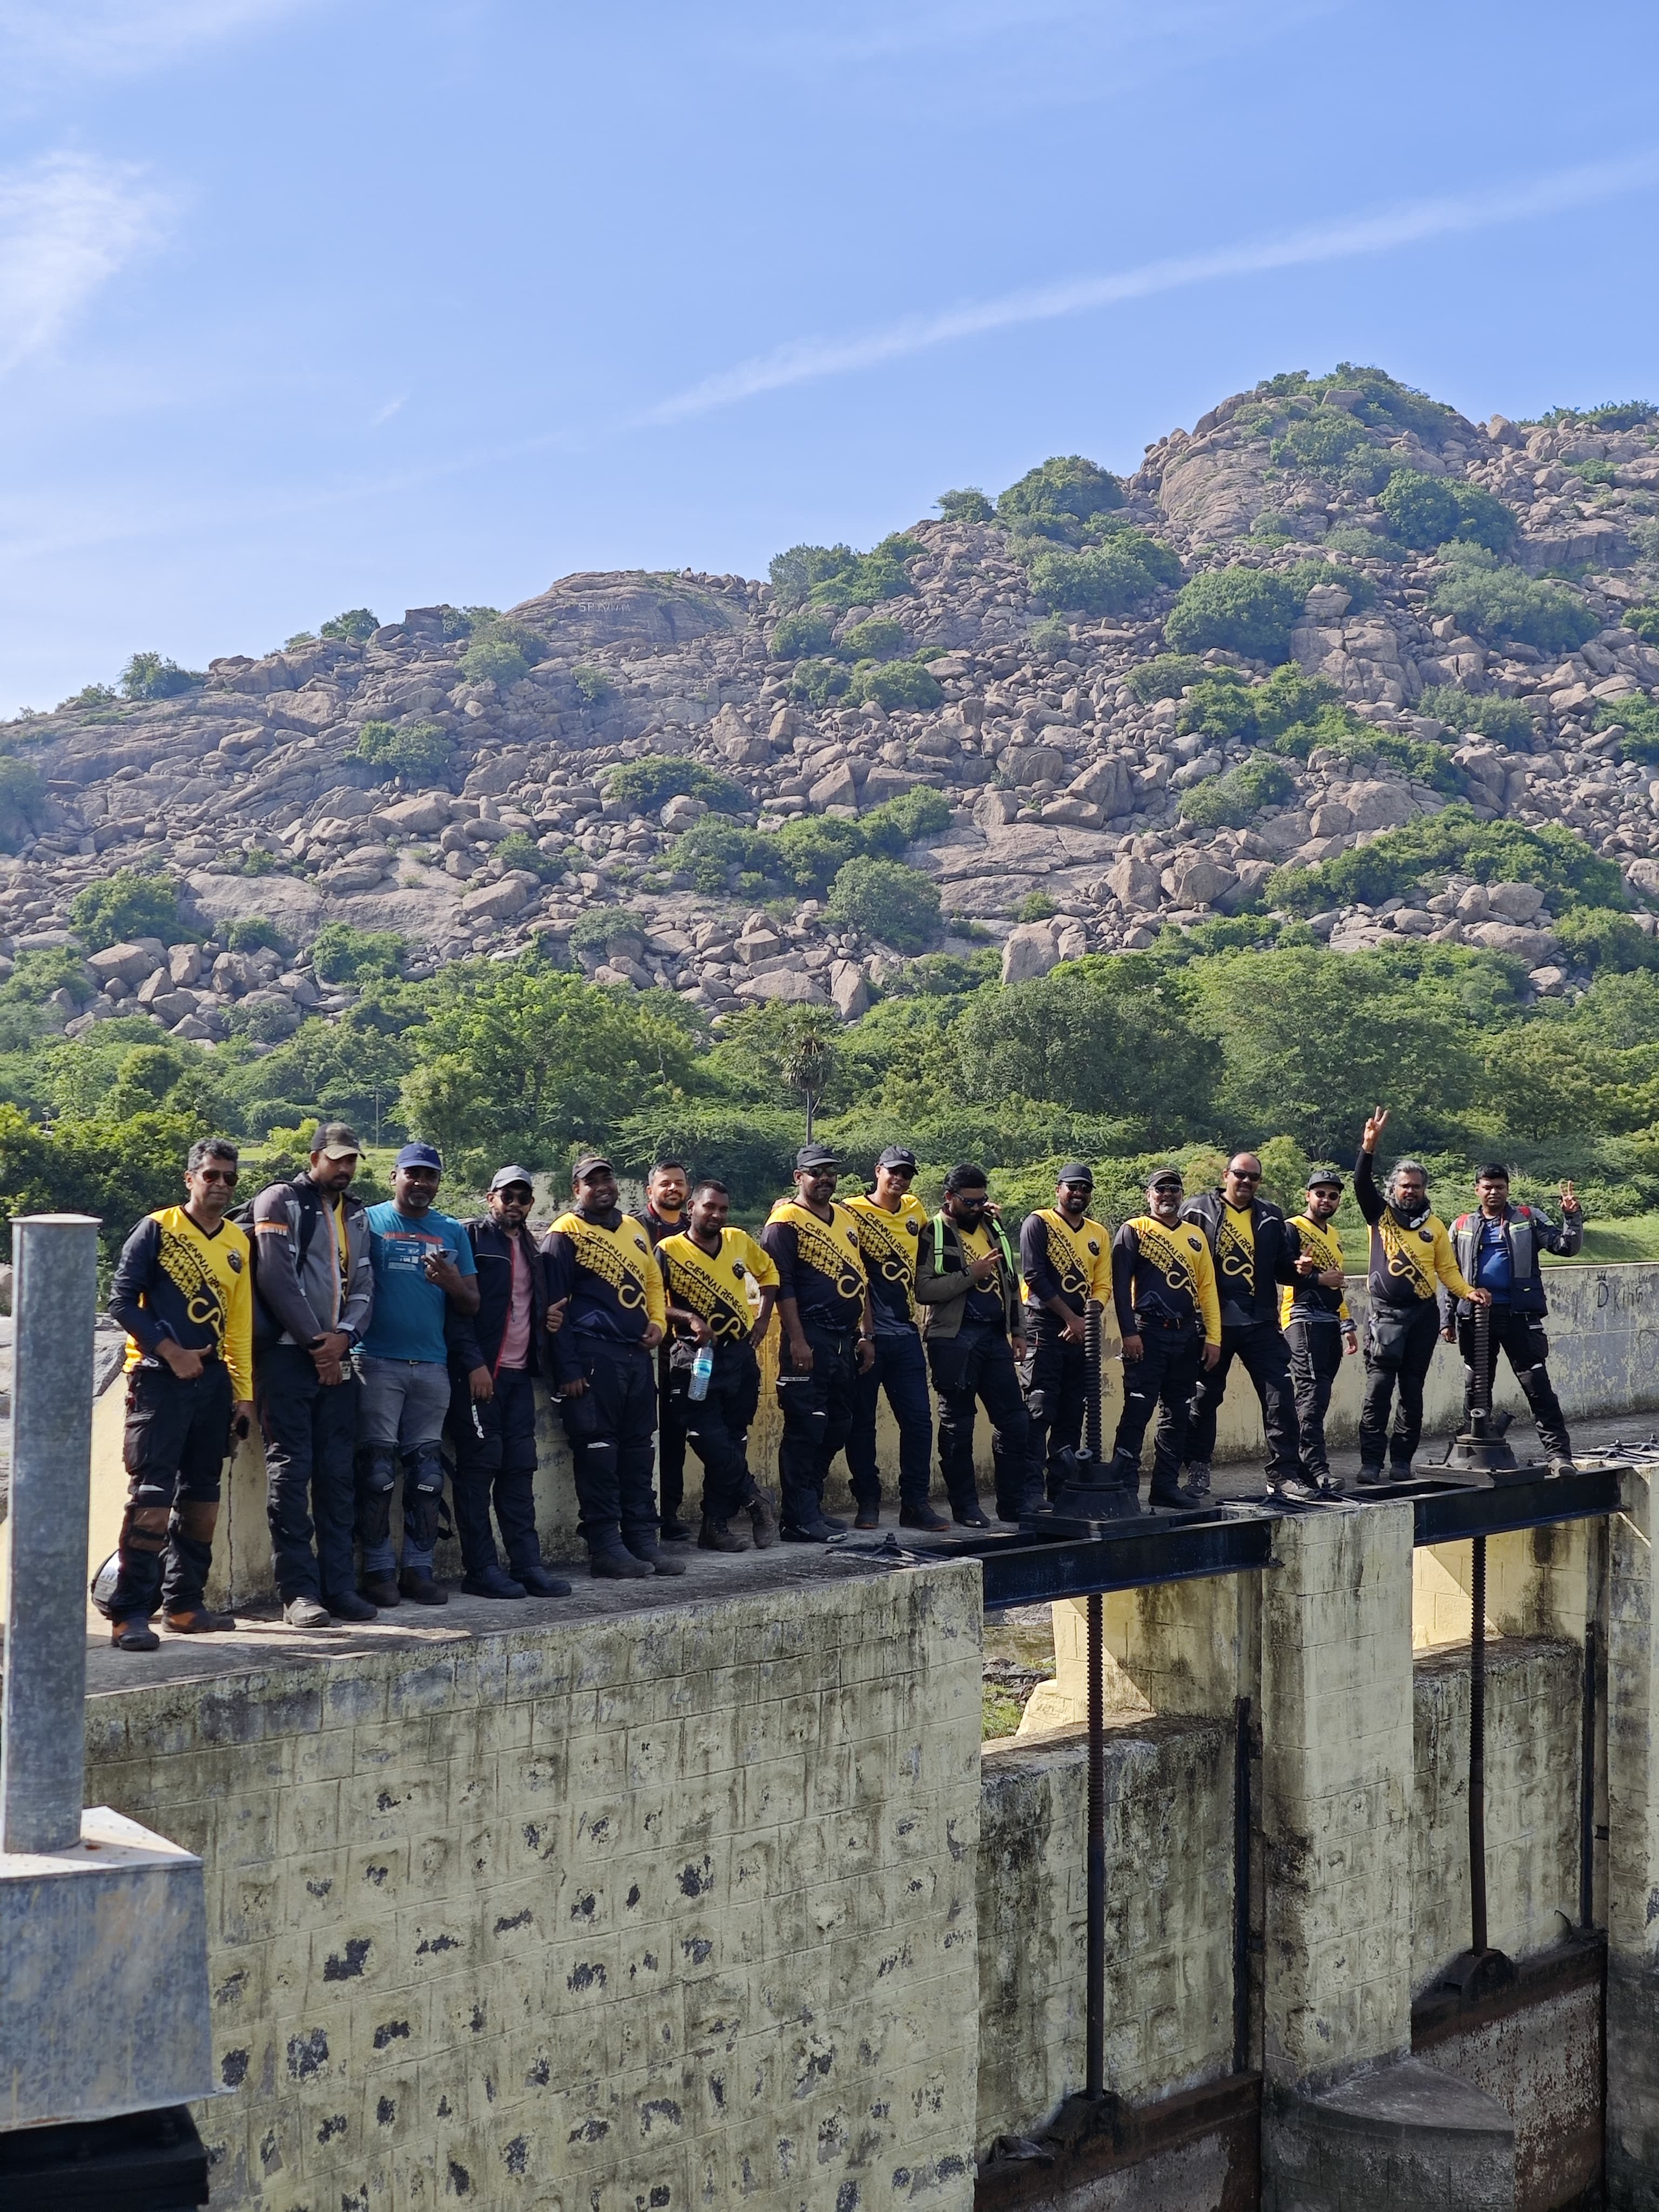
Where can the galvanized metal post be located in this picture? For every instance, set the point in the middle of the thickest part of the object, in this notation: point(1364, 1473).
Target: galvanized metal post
point(43, 1748)
point(1095, 2048)
point(1478, 1749)
point(1092, 1365)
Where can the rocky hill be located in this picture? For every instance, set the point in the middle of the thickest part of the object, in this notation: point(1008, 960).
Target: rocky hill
point(1019, 658)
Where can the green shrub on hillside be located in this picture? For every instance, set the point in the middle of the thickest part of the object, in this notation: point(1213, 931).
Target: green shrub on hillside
point(353, 626)
point(1319, 442)
point(893, 684)
point(1614, 415)
point(884, 899)
point(1066, 484)
point(417, 753)
point(1644, 620)
point(493, 660)
point(1232, 800)
point(650, 782)
point(149, 676)
point(1244, 610)
point(1108, 579)
point(341, 954)
point(130, 903)
point(920, 812)
point(967, 505)
point(872, 577)
point(1221, 706)
point(522, 851)
point(1639, 719)
point(818, 682)
point(1168, 676)
point(255, 932)
point(1505, 722)
point(593, 686)
point(1454, 841)
point(794, 573)
point(877, 638)
point(1500, 602)
point(806, 630)
point(1426, 511)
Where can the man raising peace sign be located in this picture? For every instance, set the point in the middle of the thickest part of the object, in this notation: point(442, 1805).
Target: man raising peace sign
point(1500, 1248)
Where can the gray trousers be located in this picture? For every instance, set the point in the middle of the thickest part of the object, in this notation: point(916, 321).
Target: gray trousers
point(400, 1416)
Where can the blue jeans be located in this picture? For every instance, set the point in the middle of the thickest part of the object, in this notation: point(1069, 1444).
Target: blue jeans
point(900, 1368)
point(401, 1416)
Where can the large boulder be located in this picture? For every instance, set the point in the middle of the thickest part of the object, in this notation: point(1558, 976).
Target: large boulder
point(1513, 902)
point(792, 985)
point(127, 963)
point(1135, 884)
point(1030, 951)
point(1202, 882)
point(497, 901)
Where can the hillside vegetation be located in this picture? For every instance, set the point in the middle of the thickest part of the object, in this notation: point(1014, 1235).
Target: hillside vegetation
point(1307, 765)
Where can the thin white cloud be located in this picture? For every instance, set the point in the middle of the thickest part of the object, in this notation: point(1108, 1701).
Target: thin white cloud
point(67, 225)
point(113, 38)
point(806, 360)
point(385, 414)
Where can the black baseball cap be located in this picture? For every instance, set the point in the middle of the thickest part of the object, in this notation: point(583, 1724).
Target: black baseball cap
point(1166, 1173)
point(898, 1155)
point(816, 1156)
point(1076, 1171)
point(336, 1140)
point(1318, 1175)
point(590, 1163)
point(504, 1178)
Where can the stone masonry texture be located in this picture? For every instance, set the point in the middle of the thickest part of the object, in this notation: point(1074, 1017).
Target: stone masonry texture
point(667, 1909)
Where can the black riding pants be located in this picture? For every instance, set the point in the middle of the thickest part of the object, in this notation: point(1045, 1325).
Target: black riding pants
point(1260, 1348)
point(176, 1440)
point(612, 1426)
point(1521, 1337)
point(1164, 1375)
point(1316, 1361)
point(494, 1440)
point(976, 1367)
point(718, 1428)
point(310, 1430)
point(1400, 1343)
point(900, 1368)
point(818, 1419)
point(1056, 1378)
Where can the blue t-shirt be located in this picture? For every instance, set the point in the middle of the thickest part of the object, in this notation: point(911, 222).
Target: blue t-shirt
point(1492, 1260)
point(408, 1320)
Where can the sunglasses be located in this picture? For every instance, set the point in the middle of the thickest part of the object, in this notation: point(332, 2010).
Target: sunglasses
point(1240, 1175)
point(229, 1176)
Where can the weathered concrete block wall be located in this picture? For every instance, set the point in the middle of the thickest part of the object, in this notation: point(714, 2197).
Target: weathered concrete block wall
point(1168, 1904)
point(672, 1908)
point(1532, 1731)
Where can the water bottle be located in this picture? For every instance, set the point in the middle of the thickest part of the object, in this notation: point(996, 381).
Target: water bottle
point(701, 1368)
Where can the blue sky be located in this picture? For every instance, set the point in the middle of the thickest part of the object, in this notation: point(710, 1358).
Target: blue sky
point(306, 304)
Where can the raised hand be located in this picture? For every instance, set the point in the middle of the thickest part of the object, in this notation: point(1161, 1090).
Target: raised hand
point(1569, 1203)
point(1378, 1121)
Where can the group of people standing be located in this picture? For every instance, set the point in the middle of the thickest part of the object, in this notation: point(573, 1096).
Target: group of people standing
point(361, 1338)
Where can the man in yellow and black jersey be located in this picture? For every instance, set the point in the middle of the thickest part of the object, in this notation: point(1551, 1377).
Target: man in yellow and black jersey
point(182, 1290)
point(1065, 1259)
point(598, 1263)
point(708, 1272)
point(1411, 1256)
point(1164, 1288)
point(967, 1287)
point(828, 1337)
point(889, 1225)
point(1254, 1252)
point(667, 1188)
point(1313, 1312)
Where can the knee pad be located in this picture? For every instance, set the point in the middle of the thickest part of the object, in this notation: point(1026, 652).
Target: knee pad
point(1036, 1404)
point(377, 1469)
point(197, 1518)
point(145, 1529)
point(424, 1468)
